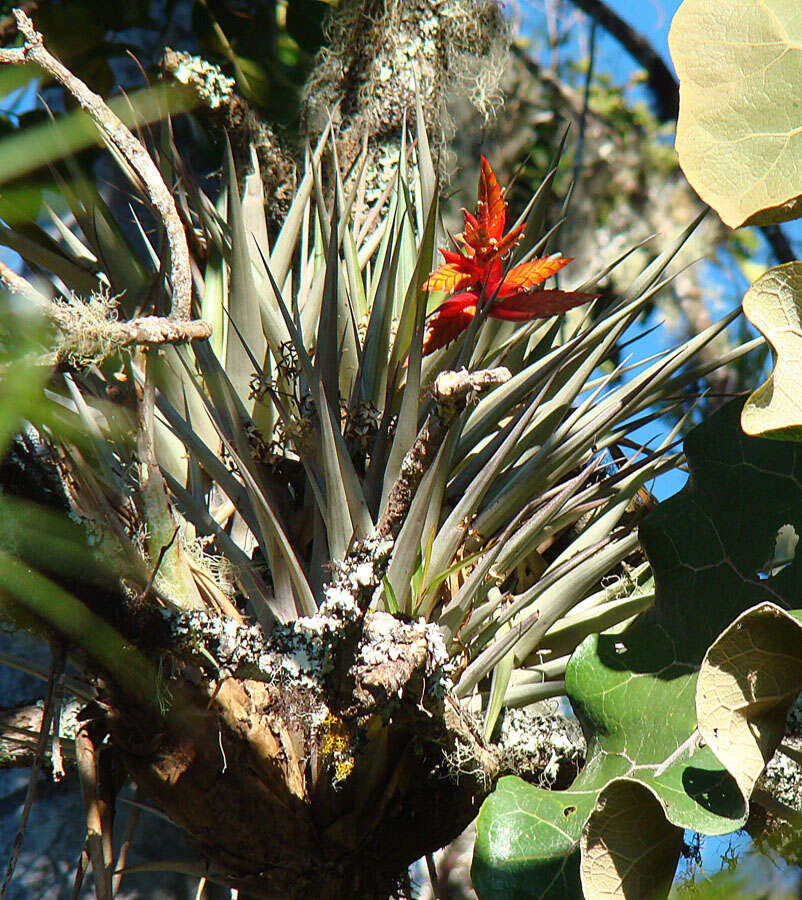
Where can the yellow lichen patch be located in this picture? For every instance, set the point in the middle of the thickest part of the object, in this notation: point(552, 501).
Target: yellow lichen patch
point(337, 744)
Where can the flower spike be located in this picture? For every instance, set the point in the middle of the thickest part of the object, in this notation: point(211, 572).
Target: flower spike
point(476, 266)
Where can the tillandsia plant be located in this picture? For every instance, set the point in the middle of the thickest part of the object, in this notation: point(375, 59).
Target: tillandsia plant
point(320, 552)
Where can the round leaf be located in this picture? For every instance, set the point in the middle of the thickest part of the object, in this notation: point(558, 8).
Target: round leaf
point(717, 548)
point(773, 304)
point(749, 679)
point(739, 142)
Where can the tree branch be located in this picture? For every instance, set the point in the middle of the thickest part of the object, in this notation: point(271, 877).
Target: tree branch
point(660, 78)
point(136, 156)
point(96, 845)
point(20, 727)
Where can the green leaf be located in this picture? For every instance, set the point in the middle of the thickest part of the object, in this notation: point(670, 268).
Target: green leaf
point(372, 376)
point(74, 275)
point(33, 147)
point(635, 690)
point(773, 304)
point(389, 597)
point(281, 257)
point(327, 346)
point(252, 584)
point(214, 301)
point(243, 305)
point(738, 136)
point(228, 416)
point(428, 176)
point(345, 497)
point(505, 863)
point(415, 309)
point(45, 600)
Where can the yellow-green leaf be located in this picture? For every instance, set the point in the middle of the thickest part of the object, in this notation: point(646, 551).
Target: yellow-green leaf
point(739, 64)
point(749, 678)
point(773, 304)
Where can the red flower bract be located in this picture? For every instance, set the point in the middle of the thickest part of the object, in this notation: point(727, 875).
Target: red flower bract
point(476, 267)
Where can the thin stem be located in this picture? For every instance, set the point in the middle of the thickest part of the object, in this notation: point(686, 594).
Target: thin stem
point(130, 827)
point(432, 867)
point(56, 666)
point(87, 774)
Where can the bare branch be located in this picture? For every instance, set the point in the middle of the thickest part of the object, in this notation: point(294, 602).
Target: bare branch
point(119, 136)
point(20, 727)
point(144, 330)
point(148, 330)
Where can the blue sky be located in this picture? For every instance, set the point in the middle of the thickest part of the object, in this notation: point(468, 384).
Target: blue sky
point(652, 19)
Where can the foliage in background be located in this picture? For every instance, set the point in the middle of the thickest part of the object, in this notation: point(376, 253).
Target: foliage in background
point(628, 185)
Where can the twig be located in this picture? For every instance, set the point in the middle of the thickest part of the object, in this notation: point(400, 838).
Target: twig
point(432, 867)
point(450, 393)
point(791, 752)
point(122, 857)
point(19, 731)
point(33, 50)
point(56, 756)
point(775, 807)
point(661, 82)
point(136, 156)
point(144, 330)
point(87, 774)
point(56, 666)
point(80, 871)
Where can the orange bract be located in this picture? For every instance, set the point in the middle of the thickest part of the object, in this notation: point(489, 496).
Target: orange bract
point(527, 275)
point(478, 267)
point(484, 231)
point(537, 305)
point(447, 278)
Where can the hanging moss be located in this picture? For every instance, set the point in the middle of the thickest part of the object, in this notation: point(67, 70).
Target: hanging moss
point(377, 50)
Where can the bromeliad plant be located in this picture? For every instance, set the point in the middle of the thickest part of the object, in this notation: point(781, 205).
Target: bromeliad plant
point(346, 533)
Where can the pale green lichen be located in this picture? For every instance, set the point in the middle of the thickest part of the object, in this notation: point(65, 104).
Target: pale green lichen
point(209, 83)
point(87, 328)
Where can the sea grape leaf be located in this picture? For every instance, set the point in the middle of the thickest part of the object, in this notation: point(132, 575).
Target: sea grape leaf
point(712, 547)
point(749, 679)
point(739, 64)
point(773, 304)
point(628, 817)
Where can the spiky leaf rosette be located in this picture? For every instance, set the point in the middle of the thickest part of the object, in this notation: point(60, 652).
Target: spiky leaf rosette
point(368, 513)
